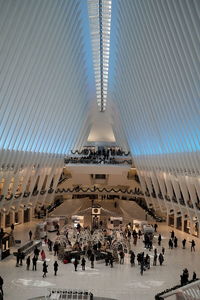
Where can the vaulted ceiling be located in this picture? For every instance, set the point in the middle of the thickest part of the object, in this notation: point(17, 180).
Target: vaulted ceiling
point(139, 61)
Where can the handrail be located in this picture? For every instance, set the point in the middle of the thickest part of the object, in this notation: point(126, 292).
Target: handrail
point(177, 289)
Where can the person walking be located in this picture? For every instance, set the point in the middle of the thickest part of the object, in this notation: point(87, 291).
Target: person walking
point(147, 261)
point(111, 259)
point(192, 245)
point(155, 227)
point(142, 265)
point(163, 251)
point(172, 234)
point(45, 266)
point(50, 243)
point(43, 255)
point(1, 285)
point(83, 261)
point(159, 240)
point(21, 257)
point(30, 235)
point(139, 233)
point(107, 260)
point(55, 249)
point(132, 259)
point(171, 244)
point(28, 262)
point(194, 276)
point(175, 242)
point(161, 259)
point(135, 240)
point(155, 259)
point(36, 252)
point(75, 264)
point(121, 254)
point(55, 266)
point(34, 261)
point(183, 243)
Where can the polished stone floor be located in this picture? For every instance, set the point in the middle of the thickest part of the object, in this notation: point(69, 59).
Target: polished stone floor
point(123, 282)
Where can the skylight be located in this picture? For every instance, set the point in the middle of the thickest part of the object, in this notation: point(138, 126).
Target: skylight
point(100, 24)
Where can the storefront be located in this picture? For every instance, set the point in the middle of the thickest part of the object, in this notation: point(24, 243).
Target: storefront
point(4, 245)
point(114, 222)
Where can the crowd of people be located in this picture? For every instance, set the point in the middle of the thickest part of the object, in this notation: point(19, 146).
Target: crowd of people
point(112, 246)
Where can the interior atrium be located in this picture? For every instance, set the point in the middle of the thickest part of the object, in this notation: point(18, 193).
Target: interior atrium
point(99, 128)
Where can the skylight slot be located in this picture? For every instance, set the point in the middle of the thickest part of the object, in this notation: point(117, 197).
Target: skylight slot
point(100, 24)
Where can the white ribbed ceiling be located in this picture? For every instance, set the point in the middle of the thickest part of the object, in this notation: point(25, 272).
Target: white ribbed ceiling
point(44, 77)
point(156, 84)
point(151, 80)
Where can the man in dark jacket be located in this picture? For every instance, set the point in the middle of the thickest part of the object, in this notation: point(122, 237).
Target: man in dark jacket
point(92, 260)
point(34, 260)
point(55, 266)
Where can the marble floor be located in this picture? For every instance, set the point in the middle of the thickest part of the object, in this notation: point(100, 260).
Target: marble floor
point(122, 282)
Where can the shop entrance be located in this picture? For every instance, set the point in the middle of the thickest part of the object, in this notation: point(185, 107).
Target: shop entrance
point(26, 215)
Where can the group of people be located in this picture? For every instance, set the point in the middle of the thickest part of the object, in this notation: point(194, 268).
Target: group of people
point(128, 235)
point(185, 276)
point(20, 257)
point(173, 242)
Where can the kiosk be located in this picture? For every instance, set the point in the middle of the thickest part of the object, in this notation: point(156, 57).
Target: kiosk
point(114, 222)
